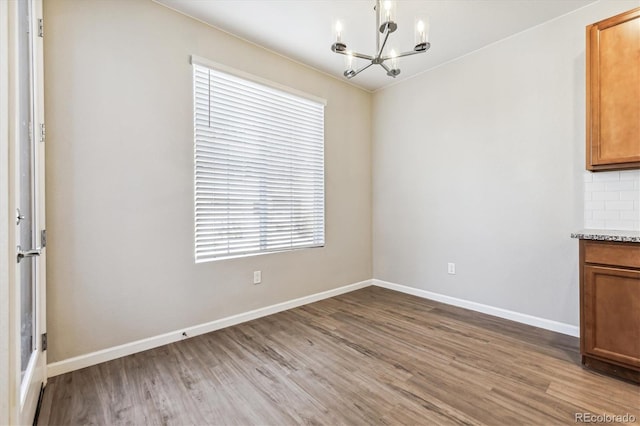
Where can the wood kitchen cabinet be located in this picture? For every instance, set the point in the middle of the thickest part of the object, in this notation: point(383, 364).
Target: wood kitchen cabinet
point(610, 307)
point(613, 93)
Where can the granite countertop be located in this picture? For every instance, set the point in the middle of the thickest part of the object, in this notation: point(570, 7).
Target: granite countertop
point(607, 235)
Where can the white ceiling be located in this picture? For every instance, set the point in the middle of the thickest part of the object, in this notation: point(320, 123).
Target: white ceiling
point(303, 29)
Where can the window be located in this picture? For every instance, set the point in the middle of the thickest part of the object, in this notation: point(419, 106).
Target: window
point(259, 166)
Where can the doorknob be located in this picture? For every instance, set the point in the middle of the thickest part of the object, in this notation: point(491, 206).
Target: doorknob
point(28, 253)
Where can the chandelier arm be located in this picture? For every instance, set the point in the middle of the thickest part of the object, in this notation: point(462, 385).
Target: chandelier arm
point(409, 53)
point(354, 54)
point(384, 43)
point(362, 69)
point(386, 68)
point(362, 56)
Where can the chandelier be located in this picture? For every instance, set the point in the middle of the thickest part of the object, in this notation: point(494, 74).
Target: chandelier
point(385, 13)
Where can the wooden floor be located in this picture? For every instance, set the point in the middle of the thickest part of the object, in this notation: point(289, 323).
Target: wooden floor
point(370, 357)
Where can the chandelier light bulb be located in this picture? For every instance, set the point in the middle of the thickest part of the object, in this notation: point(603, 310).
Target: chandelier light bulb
point(338, 46)
point(388, 4)
point(386, 11)
point(349, 61)
point(338, 31)
point(348, 65)
point(394, 59)
point(421, 35)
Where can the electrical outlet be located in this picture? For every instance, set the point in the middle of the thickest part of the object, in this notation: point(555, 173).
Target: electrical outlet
point(257, 277)
point(451, 268)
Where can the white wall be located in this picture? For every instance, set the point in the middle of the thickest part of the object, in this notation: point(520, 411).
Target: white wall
point(120, 177)
point(612, 200)
point(480, 162)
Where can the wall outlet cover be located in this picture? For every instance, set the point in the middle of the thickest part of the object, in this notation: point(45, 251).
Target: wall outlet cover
point(451, 268)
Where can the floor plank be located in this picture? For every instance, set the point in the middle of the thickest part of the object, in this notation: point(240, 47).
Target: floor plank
point(373, 356)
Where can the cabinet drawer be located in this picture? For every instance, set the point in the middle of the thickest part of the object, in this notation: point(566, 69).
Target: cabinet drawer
point(610, 253)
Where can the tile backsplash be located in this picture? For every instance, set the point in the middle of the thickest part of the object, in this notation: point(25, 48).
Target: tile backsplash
point(612, 200)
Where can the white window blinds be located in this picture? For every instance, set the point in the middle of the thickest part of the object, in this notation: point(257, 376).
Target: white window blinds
point(259, 167)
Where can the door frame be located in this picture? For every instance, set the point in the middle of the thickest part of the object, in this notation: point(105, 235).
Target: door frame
point(7, 416)
point(10, 374)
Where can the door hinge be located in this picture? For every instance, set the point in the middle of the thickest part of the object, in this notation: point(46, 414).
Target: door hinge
point(43, 132)
point(44, 341)
point(40, 27)
point(43, 238)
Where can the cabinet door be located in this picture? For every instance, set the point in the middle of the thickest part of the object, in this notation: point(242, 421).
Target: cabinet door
point(613, 90)
point(611, 316)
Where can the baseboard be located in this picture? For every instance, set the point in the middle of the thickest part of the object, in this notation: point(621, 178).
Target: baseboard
point(93, 358)
point(547, 324)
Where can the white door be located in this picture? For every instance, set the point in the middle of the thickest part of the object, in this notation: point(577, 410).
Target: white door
point(26, 111)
